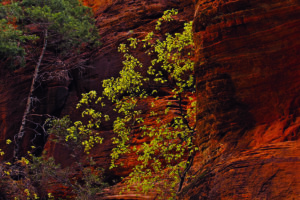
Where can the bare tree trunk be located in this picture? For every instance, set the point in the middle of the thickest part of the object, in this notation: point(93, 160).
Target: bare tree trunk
point(18, 140)
point(190, 159)
point(186, 170)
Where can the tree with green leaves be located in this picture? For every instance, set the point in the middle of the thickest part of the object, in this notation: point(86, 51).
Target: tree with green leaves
point(65, 27)
point(40, 177)
point(169, 149)
point(10, 40)
point(61, 25)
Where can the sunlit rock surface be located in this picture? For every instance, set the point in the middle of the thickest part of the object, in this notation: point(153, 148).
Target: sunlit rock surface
point(117, 21)
point(248, 84)
point(248, 100)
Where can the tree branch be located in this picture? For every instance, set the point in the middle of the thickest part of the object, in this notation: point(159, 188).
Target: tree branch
point(18, 140)
point(189, 163)
point(190, 160)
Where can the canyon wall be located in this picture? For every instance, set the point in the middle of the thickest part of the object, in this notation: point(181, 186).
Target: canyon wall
point(247, 85)
point(248, 100)
point(117, 21)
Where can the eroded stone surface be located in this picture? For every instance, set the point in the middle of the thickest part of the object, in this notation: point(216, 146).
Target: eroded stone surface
point(117, 21)
point(247, 90)
point(248, 100)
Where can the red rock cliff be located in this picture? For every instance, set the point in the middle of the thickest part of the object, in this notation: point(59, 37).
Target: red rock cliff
point(248, 100)
point(117, 21)
point(247, 90)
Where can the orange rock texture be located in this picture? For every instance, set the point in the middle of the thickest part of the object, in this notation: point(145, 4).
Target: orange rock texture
point(248, 99)
point(117, 21)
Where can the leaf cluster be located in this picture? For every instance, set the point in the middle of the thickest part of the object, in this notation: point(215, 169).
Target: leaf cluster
point(11, 41)
point(34, 177)
point(68, 19)
point(171, 142)
point(69, 22)
point(80, 137)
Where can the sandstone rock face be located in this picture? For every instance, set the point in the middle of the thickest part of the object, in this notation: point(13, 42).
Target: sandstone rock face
point(247, 91)
point(248, 100)
point(117, 20)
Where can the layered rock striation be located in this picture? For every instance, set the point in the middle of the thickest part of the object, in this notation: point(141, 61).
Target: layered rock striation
point(117, 20)
point(248, 100)
point(247, 85)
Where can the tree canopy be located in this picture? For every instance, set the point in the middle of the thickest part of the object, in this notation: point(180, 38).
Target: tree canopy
point(55, 26)
point(169, 148)
point(62, 25)
point(69, 25)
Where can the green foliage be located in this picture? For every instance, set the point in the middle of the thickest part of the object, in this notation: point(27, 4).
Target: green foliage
point(11, 40)
point(68, 19)
point(79, 137)
point(11, 187)
point(38, 177)
point(90, 181)
point(168, 16)
point(64, 24)
point(170, 142)
point(69, 23)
